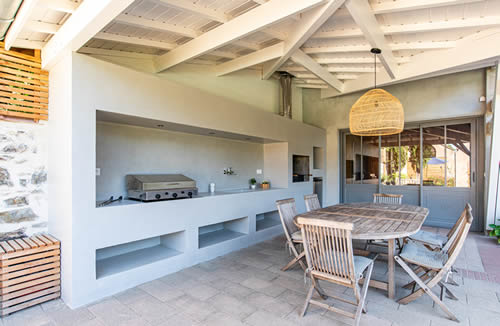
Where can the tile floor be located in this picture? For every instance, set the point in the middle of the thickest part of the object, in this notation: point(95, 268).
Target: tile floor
point(247, 288)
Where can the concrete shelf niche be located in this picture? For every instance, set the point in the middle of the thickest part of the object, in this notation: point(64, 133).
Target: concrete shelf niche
point(213, 234)
point(130, 255)
point(267, 220)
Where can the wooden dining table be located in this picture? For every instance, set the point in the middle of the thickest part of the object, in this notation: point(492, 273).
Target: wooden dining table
point(377, 222)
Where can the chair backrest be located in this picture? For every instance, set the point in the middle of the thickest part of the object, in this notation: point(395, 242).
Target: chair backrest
point(312, 202)
point(456, 244)
point(328, 248)
point(287, 211)
point(453, 233)
point(387, 199)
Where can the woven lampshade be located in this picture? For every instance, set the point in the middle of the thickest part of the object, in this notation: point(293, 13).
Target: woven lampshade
point(376, 113)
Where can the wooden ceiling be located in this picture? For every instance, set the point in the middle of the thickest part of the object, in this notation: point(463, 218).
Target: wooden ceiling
point(324, 43)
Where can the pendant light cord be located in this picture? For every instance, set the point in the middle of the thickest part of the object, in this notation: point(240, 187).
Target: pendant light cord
point(375, 68)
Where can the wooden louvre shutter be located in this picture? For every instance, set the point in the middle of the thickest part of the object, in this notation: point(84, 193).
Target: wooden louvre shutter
point(24, 86)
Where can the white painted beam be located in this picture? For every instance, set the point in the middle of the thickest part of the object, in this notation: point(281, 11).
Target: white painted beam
point(134, 40)
point(42, 27)
point(360, 60)
point(252, 59)
point(483, 22)
point(22, 17)
point(310, 76)
point(364, 17)
point(115, 53)
point(316, 69)
point(394, 47)
point(307, 26)
point(66, 6)
point(304, 85)
point(254, 20)
point(90, 18)
point(28, 44)
point(336, 69)
point(388, 7)
point(472, 52)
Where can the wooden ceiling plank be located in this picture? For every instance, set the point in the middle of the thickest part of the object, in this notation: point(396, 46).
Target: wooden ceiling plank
point(364, 17)
point(309, 24)
point(60, 5)
point(252, 21)
point(42, 27)
point(252, 59)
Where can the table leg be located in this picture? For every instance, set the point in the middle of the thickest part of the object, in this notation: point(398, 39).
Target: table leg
point(391, 266)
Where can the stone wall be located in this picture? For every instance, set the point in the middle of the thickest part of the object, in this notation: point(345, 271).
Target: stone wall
point(23, 178)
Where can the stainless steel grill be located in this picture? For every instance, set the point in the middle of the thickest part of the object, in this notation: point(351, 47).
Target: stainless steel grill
point(154, 187)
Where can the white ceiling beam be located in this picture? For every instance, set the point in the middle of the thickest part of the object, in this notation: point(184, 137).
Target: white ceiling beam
point(197, 9)
point(254, 20)
point(310, 76)
point(307, 26)
point(134, 40)
point(27, 44)
point(304, 85)
point(42, 27)
point(224, 54)
point(115, 53)
point(316, 69)
point(484, 22)
point(364, 17)
point(22, 17)
point(394, 47)
point(361, 60)
point(60, 5)
point(252, 59)
point(336, 69)
point(156, 25)
point(472, 52)
point(90, 18)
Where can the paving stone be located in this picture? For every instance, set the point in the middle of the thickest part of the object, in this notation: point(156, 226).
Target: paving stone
point(196, 309)
point(220, 318)
point(33, 316)
point(231, 305)
point(152, 309)
point(270, 304)
point(70, 317)
point(130, 295)
point(255, 283)
point(180, 319)
point(113, 312)
point(202, 292)
point(260, 318)
point(238, 291)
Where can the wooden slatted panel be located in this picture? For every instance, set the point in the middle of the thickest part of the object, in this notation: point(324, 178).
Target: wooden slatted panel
point(30, 271)
point(24, 86)
point(387, 199)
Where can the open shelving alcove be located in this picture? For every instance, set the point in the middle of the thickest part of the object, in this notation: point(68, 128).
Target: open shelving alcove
point(213, 234)
point(120, 258)
point(267, 220)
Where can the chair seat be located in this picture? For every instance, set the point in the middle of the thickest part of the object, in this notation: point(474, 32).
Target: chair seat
point(416, 253)
point(430, 238)
point(360, 264)
point(297, 236)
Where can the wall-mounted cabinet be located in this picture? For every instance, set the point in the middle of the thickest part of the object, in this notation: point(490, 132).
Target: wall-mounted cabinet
point(126, 256)
point(213, 234)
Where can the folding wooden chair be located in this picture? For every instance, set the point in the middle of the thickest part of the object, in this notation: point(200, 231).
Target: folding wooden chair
point(435, 265)
point(288, 211)
point(387, 199)
point(329, 254)
point(312, 202)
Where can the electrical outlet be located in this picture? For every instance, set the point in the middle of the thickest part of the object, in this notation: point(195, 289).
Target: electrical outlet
point(259, 171)
point(97, 171)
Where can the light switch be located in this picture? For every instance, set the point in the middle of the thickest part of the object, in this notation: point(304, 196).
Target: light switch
point(259, 171)
point(98, 171)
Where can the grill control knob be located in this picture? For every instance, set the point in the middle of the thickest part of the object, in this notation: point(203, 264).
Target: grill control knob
point(190, 194)
point(157, 196)
point(166, 193)
point(174, 195)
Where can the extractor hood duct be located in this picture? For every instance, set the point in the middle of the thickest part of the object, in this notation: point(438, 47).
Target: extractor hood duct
point(8, 10)
point(286, 95)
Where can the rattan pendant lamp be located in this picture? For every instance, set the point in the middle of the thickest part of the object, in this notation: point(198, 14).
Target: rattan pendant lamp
point(377, 112)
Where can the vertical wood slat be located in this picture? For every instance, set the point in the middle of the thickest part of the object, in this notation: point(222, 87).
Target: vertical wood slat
point(24, 86)
point(388, 199)
point(29, 272)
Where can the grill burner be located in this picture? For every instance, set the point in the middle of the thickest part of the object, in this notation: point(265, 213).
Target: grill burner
point(155, 187)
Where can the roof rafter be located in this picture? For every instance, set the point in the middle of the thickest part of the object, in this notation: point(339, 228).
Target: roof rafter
point(239, 27)
point(472, 52)
point(394, 47)
point(134, 40)
point(60, 5)
point(90, 18)
point(307, 26)
point(315, 68)
point(364, 17)
point(22, 17)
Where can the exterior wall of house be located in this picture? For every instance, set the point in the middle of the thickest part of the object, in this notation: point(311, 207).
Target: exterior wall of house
point(449, 96)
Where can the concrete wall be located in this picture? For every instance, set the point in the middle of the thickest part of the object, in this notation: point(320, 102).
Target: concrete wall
point(123, 150)
point(442, 97)
point(92, 85)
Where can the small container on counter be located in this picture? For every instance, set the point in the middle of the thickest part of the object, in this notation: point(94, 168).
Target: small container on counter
point(211, 187)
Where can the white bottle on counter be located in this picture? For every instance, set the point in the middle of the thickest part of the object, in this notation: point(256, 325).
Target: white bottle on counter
point(211, 187)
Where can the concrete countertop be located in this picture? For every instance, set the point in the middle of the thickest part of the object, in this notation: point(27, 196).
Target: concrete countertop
point(200, 195)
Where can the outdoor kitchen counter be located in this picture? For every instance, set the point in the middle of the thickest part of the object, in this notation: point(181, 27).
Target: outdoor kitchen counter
point(125, 202)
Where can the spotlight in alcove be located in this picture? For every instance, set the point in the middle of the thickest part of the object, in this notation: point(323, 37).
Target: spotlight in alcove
point(211, 133)
point(160, 126)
